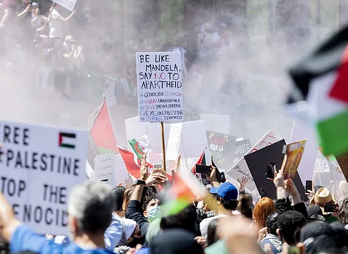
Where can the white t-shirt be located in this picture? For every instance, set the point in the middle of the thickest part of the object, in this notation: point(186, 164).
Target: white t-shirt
point(56, 29)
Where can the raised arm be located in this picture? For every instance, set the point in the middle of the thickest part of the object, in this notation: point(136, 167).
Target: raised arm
point(5, 17)
point(8, 221)
point(69, 17)
point(23, 13)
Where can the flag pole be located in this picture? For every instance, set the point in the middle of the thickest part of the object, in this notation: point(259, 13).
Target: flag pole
point(163, 148)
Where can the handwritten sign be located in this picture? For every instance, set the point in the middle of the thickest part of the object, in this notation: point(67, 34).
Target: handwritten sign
point(38, 167)
point(67, 4)
point(321, 163)
point(174, 141)
point(104, 166)
point(268, 139)
point(160, 88)
point(221, 147)
point(241, 149)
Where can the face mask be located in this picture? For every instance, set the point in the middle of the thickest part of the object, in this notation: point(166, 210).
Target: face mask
point(87, 14)
point(154, 212)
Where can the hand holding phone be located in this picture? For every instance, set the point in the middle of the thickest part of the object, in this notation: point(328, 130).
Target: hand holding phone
point(271, 169)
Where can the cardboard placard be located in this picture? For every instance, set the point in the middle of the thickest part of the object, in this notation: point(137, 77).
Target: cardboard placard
point(294, 152)
point(174, 141)
point(221, 147)
point(321, 164)
point(257, 163)
point(38, 167)
point(67, 4)
point(160, 91)
point(104, 167)
point(241, 149)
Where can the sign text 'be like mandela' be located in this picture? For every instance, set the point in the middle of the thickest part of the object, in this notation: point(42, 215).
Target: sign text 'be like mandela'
point(160, 91)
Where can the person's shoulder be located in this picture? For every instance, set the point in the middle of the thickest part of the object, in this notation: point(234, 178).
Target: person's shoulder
point(73, 248)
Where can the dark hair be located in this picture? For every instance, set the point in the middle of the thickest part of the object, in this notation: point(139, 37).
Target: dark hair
point(343, 213)
point(4, 246)
point(246, 206)
point(119, 193)
point(148, 195)
point(212, 236)
point(229, 204)
point(290, 224)
point(186, 219)
point(272, 223)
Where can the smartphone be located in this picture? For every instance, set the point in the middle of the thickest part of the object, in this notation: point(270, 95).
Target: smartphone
point(263, 192)
point(309, 186)
point(294, 250)
point(223, 178)
point(329, 208)
point(270, 170)
point(203, 169)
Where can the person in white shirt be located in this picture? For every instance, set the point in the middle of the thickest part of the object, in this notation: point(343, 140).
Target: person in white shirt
point(56, 21)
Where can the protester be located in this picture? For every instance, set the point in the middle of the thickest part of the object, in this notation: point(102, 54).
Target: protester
point(324, 199)
point(90, 208)
point(263, 208)
point(271, 238)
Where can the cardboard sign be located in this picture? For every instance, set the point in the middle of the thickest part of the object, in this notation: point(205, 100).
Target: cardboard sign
point(221, 147)
point(160, 91)
point(257, 163)
point(294, 152)
point(300, 132)
point(241, 169)
point(192, 117)
point(67, 4)
point(343, 163)
point(38, 167)
point(174, 141)
point(321, 164)
point(104, 167)
point(241, 149)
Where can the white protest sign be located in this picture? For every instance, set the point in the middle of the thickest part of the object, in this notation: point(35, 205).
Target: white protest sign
point(38, 167)
point(321, 163)
point(104, 166)
point(120, 174)
point(241, 168)
point(67, 4)
point(160, 91)
point(174, 141)
point(300, 132)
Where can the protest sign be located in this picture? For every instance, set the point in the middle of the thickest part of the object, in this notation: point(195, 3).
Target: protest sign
point(160, 91)
point(294, 152)
point(104, 167)
point(321, 163)
point(221, 147)
point(67, 4)
point(192, 117)
point(241, 169)
point(257, 163)
point(301, 131)
point(216, 123)
point(38, 167)
point(343, 163)
point(121, 174)
point(174, 141)
point(241, 149)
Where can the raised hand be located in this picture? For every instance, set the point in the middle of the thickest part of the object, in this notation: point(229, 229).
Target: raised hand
point(144, 168)
point(242, 183)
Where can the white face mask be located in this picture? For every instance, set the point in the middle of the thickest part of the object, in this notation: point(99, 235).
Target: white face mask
point(154, 212)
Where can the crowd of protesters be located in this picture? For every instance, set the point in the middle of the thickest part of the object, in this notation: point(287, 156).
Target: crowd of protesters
point(129, 220)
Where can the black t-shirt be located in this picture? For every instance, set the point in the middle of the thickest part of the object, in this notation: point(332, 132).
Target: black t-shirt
point(25, 22)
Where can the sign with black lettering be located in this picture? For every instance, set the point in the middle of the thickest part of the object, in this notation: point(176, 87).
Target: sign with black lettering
point(160, 91)
point(221, 147)
point(38, 167)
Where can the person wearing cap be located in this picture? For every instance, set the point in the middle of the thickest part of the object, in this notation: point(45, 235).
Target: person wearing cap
point(324, 198)
point(227, 195)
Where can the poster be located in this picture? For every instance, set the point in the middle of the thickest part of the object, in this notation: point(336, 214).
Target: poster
point(294, 153)
point(221, 147)
point(240, 169)
point(160, 88)
point(174, 141)
point(104, 167)
point(38, 167)
point(242, 148)
point(67, 4)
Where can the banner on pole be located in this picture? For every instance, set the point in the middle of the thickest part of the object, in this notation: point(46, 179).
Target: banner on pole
point(160, 91)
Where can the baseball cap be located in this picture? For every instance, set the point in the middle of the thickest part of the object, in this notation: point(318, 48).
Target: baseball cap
point(227, 191)
point(213, 190)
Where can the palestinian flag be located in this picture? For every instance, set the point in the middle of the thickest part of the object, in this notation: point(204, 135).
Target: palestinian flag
point(201, 161)
point(102, 129)
point(132, 165)
point(321, 80)
point(67, 140)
